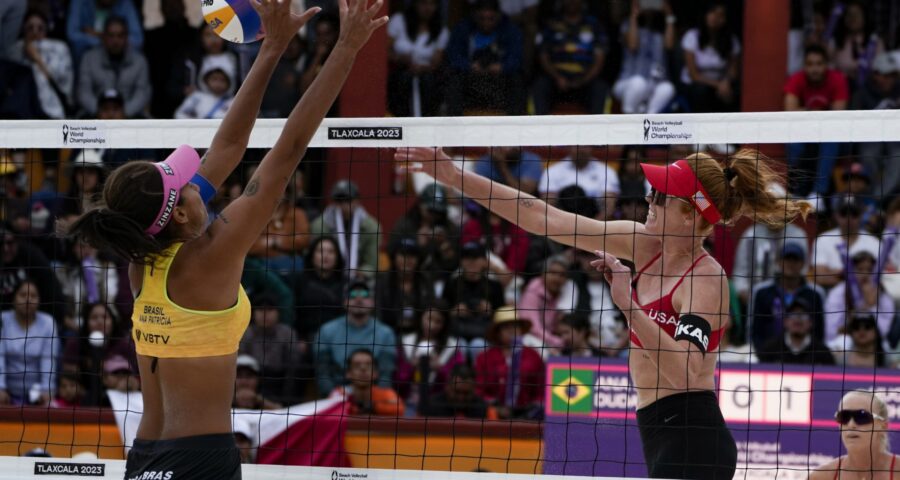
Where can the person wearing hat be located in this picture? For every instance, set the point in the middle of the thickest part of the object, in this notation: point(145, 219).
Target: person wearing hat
point(274, 345)
point(829, 258)
point(247, 391)
point(190, 310)
point(87, 175)
point(404, 290)
point(509, 375)
point(858, 293)
point(119, 376)
point(765, 312)
point(881, 92)
point(111, 106)
point(359, 328)
point(217, 81)
point(796, 344)
point(358, 233)
point(429, 223)
point(472, 297)
point(679, 304)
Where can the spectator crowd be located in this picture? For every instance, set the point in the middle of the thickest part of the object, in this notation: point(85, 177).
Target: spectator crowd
point(452, 311)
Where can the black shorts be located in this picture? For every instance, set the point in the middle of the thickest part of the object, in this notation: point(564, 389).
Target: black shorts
point(201, 457)
point(685, 436)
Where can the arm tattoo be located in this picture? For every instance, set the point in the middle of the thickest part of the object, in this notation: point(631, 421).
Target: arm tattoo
point(223, 218)
point(252, 188)
point(526, 202)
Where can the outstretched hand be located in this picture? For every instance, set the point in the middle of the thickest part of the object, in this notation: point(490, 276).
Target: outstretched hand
point(358, 22)
point(618, 276)
point(430, 161)
point(279, 24)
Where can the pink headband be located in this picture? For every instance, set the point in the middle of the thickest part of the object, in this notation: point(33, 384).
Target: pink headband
point(176, 172)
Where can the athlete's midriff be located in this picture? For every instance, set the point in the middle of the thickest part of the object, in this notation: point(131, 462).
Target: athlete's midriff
point(644, 364)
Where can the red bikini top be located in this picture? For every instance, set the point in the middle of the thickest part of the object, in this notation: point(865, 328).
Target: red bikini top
point(661, 310)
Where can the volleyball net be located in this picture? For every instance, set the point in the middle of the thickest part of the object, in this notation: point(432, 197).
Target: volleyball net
point(371, 280)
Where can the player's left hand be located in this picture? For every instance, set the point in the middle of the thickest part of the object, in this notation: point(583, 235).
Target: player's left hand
point(618, 276)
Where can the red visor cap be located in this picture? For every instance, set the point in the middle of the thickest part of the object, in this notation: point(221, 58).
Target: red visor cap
point(678, 180)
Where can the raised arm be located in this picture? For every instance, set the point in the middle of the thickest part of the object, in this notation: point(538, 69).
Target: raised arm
point(230, 142)
point(245, 218)
point(522, 209)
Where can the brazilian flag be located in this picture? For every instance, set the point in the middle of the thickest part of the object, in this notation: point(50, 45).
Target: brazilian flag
point(572, 390)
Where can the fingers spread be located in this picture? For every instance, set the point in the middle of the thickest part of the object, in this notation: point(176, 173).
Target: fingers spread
point(373, 10)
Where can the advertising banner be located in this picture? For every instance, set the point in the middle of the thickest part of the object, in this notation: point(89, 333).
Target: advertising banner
point(782, 417)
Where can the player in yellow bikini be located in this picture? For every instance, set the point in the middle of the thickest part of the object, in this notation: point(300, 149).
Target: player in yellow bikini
point(190, 310)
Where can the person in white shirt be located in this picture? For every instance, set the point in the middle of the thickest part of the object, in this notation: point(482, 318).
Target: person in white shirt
point(50, 61)
point(711, 62)
point(580, 168)
point(417, 39)
point(859, 294)
point(832, 248)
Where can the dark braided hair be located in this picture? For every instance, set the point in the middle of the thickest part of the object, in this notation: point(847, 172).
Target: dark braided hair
point(131, 200)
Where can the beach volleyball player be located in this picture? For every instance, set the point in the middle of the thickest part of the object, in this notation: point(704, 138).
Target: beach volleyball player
point(677, 305)
point(190, 310)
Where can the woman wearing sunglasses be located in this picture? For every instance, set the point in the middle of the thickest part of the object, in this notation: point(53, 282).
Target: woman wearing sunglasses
point(863, 417)
point(677, 306)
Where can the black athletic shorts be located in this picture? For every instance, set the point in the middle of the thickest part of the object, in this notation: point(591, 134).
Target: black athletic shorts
point(196, 458)
point(685, 436)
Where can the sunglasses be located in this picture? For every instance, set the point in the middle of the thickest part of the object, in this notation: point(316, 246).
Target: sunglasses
point(359, 294)
point(861, 417)
point(659, 198)
point(656, 198)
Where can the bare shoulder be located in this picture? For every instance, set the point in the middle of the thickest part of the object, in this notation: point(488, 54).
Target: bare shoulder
point(826, 471)
point(705, 292)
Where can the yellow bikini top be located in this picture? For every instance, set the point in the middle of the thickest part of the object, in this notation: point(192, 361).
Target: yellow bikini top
point(165, 330)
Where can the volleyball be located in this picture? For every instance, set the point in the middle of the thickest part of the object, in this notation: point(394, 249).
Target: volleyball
point(234, 20)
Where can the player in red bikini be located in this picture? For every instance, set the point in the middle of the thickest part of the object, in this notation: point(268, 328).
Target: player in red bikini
point(677, 306)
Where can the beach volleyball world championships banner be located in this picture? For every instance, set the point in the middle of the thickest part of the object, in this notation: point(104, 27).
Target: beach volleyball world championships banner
point(782, 417)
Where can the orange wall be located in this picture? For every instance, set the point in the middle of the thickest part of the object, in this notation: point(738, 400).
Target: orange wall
point(60, 439)
point(443, 452)
point(372, 442)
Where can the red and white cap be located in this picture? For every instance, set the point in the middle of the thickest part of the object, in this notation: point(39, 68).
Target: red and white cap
point(678, 180)
point(177, 171)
